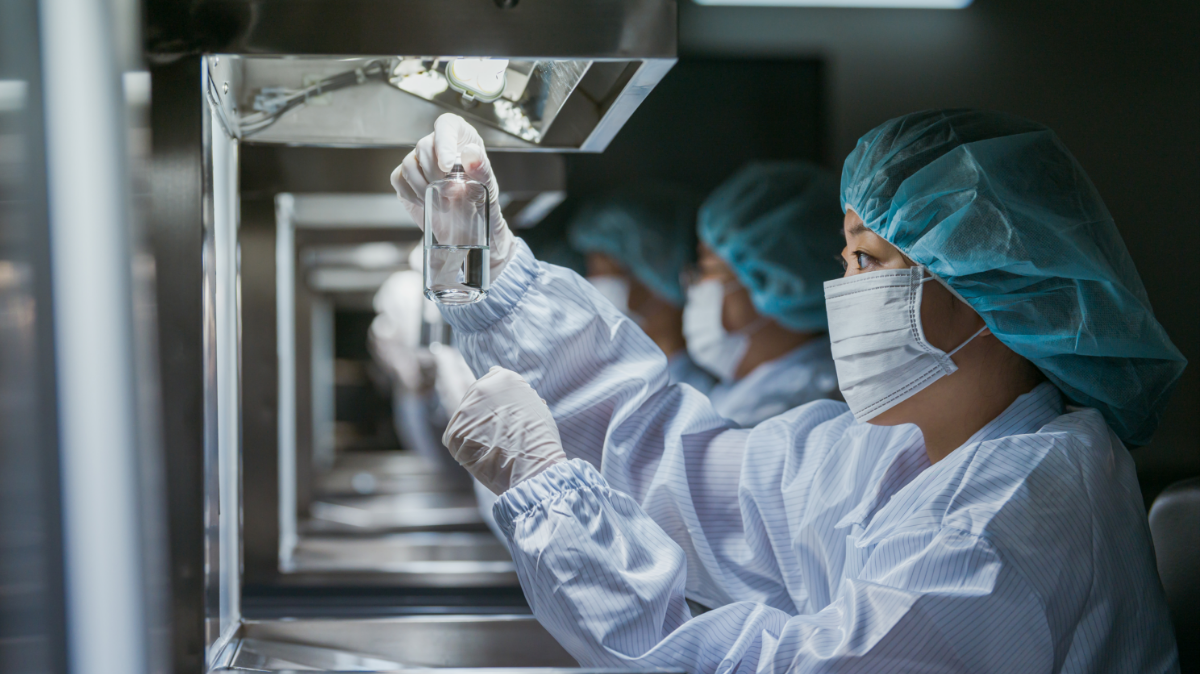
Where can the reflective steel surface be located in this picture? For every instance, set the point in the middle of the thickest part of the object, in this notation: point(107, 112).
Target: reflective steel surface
point(552, 103)
point(417, 559)
point(257, 655)
point(393, 512)
point(436, 641)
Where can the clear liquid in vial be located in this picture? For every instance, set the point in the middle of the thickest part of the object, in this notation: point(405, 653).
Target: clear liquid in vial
point(456, 274)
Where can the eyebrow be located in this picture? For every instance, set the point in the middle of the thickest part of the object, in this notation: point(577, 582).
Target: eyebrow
point(857, 228)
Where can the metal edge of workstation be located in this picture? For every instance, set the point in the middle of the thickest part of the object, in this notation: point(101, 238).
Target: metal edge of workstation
point(641, 32)
point(177, 235)
point(586, 123)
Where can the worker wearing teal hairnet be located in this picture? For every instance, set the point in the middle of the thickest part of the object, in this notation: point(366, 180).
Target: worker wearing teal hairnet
point(1000, 211)
point(639, 242)
point(756, 315)
point(956, 513)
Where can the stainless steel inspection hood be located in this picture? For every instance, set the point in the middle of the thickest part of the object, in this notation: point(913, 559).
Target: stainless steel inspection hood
point(531, 75)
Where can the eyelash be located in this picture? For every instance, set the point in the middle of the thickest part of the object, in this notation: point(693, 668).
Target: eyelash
point(858, 258)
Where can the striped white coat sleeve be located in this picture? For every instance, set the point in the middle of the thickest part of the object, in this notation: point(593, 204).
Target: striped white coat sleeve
point(606, 384)
point(606, 581)
point(592, 365)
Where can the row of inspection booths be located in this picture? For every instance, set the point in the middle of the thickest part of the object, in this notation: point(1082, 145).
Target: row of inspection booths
point(203, 466)
point(268, 532)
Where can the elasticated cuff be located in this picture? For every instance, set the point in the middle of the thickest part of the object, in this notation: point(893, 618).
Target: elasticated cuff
point(550, 483)
point(504, 294)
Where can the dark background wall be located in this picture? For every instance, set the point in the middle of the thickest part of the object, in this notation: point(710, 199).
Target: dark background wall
point(707, 118)
point(1119, 82)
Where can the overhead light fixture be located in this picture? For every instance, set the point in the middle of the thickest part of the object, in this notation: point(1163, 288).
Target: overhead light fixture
point(877, 4)
point(478, 79)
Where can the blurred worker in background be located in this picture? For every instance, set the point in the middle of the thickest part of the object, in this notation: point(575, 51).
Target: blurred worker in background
point(638, 243)
point(428, 380)
point(971, 507)
point(755, 313)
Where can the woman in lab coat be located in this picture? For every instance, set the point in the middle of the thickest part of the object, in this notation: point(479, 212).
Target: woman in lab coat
point(639, 243)
point(755, 314)
point(971, 507)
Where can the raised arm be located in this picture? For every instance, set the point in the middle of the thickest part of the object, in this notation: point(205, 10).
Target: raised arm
point(605, 384)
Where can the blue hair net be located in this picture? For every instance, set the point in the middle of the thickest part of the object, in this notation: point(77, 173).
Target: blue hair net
point(998, 208)
point(651, 230)
point(777, 224)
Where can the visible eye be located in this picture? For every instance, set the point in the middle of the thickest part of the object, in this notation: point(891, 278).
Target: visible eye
point(863, 260)
point(842, 260)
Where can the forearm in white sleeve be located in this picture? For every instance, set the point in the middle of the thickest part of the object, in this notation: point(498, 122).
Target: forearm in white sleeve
point(608, 584)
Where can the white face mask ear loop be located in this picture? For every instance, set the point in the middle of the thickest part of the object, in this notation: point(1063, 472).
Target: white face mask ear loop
point(917, 325)
point(945, 285)
point(755, 325)
point(960, 346)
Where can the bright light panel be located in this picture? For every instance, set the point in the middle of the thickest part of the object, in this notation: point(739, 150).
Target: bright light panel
point(889, 4)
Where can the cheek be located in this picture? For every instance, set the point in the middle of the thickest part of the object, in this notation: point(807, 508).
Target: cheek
point(738, 310)
point(639, 295)
point(937, 315)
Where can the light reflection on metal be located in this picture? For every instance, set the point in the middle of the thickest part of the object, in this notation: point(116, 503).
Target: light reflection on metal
point(389, 101)
point(478, 79)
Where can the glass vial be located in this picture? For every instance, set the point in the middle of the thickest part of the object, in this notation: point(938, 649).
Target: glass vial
point(457, 239)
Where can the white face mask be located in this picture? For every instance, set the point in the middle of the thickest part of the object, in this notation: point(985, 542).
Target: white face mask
point(878, 342)
point(709, 345)
point(615, 289)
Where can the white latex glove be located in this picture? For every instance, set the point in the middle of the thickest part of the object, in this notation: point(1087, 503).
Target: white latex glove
point(433, 158)
point(503, 433)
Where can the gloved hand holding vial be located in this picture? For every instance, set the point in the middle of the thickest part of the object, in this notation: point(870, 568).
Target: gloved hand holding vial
point(447, 186)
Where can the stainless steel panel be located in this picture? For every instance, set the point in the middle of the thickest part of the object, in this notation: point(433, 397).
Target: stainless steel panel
point(427, 641)
point(176, 115)
point(392, 512)
point(576, 29)
point(258, 655)
point(459, 560)
point(260, 394)
point(223, 406)
point(564, 105)
point(459, 553)
point(365, 473)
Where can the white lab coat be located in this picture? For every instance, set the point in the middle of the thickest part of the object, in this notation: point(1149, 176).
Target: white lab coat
point(802, 375)
point(681, 369)
point(823, 544)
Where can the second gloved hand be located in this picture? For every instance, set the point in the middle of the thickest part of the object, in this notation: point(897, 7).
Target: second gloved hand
point(433, 158)
point(503, 433)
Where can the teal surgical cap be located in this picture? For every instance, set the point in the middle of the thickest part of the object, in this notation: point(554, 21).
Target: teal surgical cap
point(998, 208)
point(650, 230)
point(778, 225)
